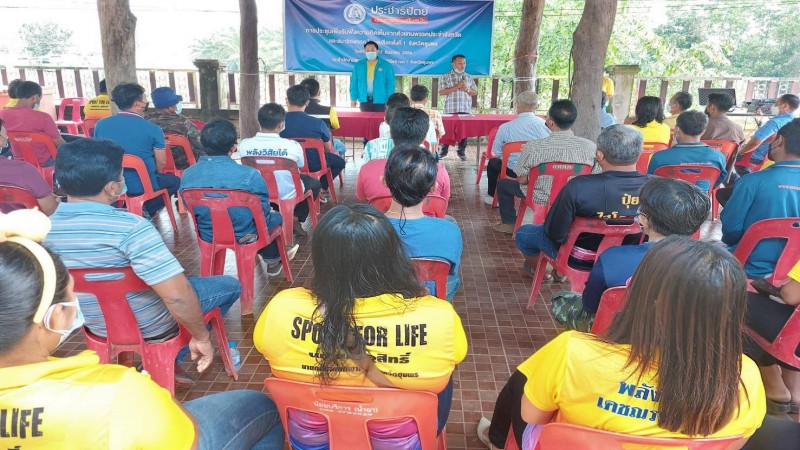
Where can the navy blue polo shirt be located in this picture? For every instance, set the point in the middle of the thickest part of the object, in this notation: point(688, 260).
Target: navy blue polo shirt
point(301, 125)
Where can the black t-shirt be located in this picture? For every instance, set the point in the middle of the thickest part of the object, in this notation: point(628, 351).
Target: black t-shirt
point(607, 195)
point(321, 112)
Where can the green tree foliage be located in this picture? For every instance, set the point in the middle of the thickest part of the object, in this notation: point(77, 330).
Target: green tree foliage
point(45, 39)
point(224, 46)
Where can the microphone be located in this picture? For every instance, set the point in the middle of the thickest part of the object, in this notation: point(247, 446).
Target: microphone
point(463, 77)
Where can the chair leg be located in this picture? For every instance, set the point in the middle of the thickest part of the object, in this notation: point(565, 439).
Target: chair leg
point(245, 271)
point(287, 215)
point(523, 207)
point(161, 367)
point(538, 276)
point(287, 270)
point(441, 443)
point(168, 207)
point(714, 206)
point(481, 168)
point(214, 318)
point(312, 210)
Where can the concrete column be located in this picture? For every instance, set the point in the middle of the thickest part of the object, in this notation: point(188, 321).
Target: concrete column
point(209, 86)
point(623, 76)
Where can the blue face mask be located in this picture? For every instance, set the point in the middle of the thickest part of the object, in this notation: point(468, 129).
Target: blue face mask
point(76, 323)
point(179, 108)
point(372, 56)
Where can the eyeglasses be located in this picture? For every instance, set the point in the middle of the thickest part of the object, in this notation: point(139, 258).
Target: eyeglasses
point(636, 217)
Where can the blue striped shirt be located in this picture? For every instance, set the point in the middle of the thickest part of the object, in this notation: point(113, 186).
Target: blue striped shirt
point(91, 234)
point(526, 127)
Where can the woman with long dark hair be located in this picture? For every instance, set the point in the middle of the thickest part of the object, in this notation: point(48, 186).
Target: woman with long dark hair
point(671, 364)
point(76, 402)
point(649, 120)
point(366, 321)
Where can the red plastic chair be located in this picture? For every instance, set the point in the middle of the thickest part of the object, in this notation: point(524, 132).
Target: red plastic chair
point(199, 124)
point(787, 229)
point(746, 162)
point(727, 148)
point(135, 204)
point(176, 140)
point(435, 270)
point(511, 440)
point(611, 303)
point(75, 123)
point(561, 173)
point(89, 125)
point(310, 144)
point(508, 149)
point(486, 155)
point(12, 197)
point(693, 173)
point(348, 410)
point(22, 148)
point(123, 334)
point(560, 436)
point(267, 166)
point(613, 234)
point(432, 205)
point(212, 254)
point(648, 148)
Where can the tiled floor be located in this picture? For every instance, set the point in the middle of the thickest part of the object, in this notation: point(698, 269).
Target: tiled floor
point(491, 303)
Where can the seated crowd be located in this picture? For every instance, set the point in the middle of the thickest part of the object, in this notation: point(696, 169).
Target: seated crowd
point(673, 363)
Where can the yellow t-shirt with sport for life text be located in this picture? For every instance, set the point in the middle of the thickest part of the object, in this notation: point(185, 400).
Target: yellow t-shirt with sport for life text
point(78, 403)
point(586, 381)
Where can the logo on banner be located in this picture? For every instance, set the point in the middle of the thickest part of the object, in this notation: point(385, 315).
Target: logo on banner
point(355, 13)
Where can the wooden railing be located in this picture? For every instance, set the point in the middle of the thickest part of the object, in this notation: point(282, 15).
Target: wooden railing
point(495, 93)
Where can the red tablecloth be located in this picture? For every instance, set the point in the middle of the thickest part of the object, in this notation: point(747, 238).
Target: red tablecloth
point(457, 127)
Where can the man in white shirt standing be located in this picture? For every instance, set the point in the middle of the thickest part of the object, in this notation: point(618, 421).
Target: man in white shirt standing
point(268, 142)
point(458, 87)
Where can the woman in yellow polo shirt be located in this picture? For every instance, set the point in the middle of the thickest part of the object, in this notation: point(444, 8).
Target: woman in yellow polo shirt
point(363, 281)
point(671, 364)
point(76, 402)
point(649, 120)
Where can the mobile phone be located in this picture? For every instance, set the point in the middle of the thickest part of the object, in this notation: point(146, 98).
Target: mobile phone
point(764, 287)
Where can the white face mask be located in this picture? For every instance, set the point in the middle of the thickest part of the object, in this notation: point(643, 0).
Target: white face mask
point(178, 108)
point(77, 323)
point(775, 110)
point(372, 56)
point(458, 71)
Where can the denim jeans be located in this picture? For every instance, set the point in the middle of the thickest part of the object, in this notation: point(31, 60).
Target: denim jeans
point(232, 420)
point(531, 240)
point(165, 181)
point(334, 162)
point(219, 291)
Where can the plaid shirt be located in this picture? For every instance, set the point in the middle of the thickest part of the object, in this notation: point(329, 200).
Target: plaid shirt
point(378, 148)
point(560, 146)
point(457, 101)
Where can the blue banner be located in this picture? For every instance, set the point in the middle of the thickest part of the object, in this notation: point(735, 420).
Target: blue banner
point(416, 36)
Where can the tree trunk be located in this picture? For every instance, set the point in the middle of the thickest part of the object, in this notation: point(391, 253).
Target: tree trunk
point(118, 37)
point(248, 67)
point(590, 43)
point(527, 47)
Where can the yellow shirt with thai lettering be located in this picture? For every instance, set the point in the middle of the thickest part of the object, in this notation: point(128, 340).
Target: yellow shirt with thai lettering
point(97, 108)
point(415, 342)
point(77, 403)
point(654, 132)
point(587, 382)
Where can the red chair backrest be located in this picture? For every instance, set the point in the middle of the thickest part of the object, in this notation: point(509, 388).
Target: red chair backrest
point(314, 145)
point(691, 173)
point(435, 270)
point(348, 410)
point(432, 205)
point(648, 148)
point(11, 197)
point(268, 165)
point(490, 142)
point(561, 173)
point(109, 286)
point(75, 103)
point(135, 163)
point(745, 161)
point(787, 229)
point(199, 124)
point(728, 148)
point(508, 149)
point(178, 141)
point(382, 204)
point(23, 142)
point(610, 304)
point(218, 201)
point(90, 125)
point(613, 234)
point(561, 436)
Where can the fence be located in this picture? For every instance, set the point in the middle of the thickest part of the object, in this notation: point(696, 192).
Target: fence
point(495, 94)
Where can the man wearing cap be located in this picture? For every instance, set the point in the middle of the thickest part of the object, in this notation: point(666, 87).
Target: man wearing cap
point(167, 115)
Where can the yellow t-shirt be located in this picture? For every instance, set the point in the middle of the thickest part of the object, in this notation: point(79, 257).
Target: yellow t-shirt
point(608, 86)
point(11, 103)
point(416, 343)
point(97, 108)
point(586, 381)
point(654, 132)
point(334, 118)
point(795, 272)
point(671, 121)
point(76, 402)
